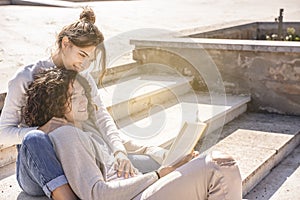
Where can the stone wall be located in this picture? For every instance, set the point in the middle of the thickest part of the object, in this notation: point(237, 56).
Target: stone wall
point(267, 70)
point(251, 31)
point(272, 79)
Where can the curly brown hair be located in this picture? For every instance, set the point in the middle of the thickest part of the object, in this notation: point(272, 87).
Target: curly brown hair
point(47, 96)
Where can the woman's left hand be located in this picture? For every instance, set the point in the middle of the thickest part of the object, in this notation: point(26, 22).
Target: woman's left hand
point(123, 166)
point(163, 171)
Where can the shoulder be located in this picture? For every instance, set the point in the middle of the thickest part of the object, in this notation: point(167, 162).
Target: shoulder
point(69, 132)
point(65, 129)
point(25, 74)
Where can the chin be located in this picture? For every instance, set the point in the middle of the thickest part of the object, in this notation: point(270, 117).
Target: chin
point(85, 118)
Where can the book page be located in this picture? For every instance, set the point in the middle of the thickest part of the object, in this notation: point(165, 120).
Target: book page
point(185, 142)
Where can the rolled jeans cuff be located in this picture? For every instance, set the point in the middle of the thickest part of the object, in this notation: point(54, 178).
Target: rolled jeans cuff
point(53, 184)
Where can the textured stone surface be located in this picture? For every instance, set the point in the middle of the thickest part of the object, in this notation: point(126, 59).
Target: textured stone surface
point(282, 183)
point(250, 31)
point(10, 190)
point(267, 71)
point(8, 155)
point(272, 123)
point(256, 152)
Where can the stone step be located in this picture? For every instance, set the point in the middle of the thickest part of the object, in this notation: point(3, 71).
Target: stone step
point(283, 181)
point(257, 152)
point(8, 154)
point(160, 125)
point(139, 92)
point(115, 72)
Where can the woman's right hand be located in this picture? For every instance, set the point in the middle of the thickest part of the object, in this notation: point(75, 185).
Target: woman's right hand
point(163, 171)
point(53, 124)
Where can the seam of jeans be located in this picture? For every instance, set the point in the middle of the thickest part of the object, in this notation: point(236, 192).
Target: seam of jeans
point(35, 165)
point(47, 191)
point(57, 182)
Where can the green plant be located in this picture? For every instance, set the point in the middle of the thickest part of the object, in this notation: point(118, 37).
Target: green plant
point(289, 36)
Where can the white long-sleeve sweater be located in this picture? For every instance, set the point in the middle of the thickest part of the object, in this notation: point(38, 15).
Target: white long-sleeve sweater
point(13, 129)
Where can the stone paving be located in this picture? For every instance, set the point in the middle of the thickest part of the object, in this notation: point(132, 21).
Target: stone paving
point(28, 32)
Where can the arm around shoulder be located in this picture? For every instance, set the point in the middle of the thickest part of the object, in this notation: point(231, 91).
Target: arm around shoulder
point(12, 130)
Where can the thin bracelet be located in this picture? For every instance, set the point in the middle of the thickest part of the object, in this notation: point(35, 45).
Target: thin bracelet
point(157, 174)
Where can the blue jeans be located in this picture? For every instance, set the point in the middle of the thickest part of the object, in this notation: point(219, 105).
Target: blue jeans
point(38, 170)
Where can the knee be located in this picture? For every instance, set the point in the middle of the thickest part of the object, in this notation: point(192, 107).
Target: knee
point(225, 178)
point(222, 159)
point(36, 138)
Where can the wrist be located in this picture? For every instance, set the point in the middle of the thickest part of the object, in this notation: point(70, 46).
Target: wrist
point(120, 151)
point(164, 171)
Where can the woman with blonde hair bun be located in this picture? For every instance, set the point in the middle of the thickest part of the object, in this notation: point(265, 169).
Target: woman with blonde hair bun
point(38, 170)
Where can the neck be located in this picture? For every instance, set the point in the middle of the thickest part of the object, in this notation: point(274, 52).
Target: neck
point(78, 125)
point(56, 57)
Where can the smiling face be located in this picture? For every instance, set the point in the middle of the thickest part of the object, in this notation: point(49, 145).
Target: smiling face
point(77, 110)
point(76, 58)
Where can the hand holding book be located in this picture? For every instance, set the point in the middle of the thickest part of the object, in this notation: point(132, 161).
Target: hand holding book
point(163, 171)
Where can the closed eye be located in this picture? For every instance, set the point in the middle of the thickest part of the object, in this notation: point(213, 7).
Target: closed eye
point(82, 55)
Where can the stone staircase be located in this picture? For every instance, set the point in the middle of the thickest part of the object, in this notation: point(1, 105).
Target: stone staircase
point(150, 106)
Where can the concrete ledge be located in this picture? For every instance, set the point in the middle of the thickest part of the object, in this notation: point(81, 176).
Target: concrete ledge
point(246, 31)
point(114, 73)
point(8, 155)
point(282, 182)
point(5, 2)
point(266, 70)
point(223, 44)
point(159, 126)
point(142, 92)
point(257, 152)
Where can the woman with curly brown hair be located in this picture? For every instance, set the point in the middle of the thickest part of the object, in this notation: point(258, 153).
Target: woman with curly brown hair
point(48, 95)
point(77, 45)
point(88, 160)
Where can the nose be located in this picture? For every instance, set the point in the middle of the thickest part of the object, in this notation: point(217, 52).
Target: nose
point(85, 63)
point(83, 100)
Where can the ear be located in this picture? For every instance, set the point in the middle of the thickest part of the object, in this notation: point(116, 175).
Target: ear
point(65, 42)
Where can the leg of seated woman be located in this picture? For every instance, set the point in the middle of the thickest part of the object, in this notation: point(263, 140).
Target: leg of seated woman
point(38, 170)
point(202, 178)
point(144, 163)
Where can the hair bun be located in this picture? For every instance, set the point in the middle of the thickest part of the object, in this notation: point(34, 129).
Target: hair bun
point(88, 15)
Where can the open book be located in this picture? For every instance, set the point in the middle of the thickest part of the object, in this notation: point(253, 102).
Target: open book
point(185, 142)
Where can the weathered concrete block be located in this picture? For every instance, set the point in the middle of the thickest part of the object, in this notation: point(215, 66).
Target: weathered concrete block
point(266, 70)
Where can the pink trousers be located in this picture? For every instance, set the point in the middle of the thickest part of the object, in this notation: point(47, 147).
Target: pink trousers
point(211, 177)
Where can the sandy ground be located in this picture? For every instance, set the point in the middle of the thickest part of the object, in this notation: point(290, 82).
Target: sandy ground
point(28, 33)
